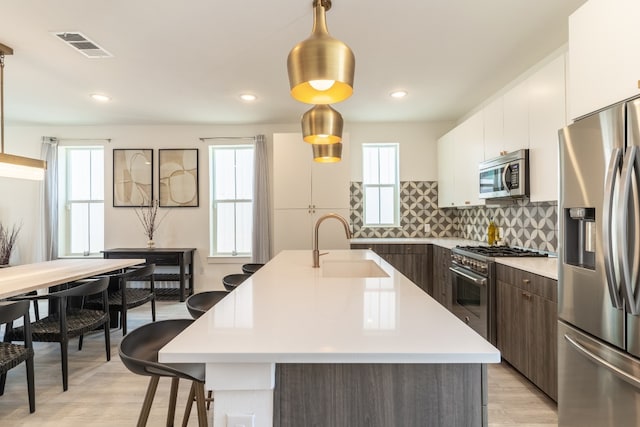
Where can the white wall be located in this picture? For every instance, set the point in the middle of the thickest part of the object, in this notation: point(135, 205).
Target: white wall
point(418, 146)
point(184, 227)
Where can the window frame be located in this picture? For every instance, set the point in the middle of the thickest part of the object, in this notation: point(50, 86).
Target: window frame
point(395, 186)
point(65, 203)
point(213, 250)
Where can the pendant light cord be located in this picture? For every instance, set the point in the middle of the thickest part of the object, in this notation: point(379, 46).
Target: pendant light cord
point(2, 102)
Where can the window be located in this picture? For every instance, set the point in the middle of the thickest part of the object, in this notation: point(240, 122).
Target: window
point(231, 199)
point(81, 196)
point(381, 185)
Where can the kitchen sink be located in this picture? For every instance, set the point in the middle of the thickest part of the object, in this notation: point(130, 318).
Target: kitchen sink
point(352, 268)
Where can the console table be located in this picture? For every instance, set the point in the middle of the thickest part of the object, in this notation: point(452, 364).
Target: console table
point(178, 257)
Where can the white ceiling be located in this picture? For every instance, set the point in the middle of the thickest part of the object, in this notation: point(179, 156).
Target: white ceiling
point(186, 62)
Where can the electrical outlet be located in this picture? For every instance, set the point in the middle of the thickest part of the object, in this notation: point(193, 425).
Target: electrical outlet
point(240, 420)
point(469, 230)
point(427, 228)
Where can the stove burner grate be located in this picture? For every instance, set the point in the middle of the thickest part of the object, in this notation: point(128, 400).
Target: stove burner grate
point(501, 251)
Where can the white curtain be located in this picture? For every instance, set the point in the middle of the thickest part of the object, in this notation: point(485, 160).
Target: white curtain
point(261, 244)
point(49, 198)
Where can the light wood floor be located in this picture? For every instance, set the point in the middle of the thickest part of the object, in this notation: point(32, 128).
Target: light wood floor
point(106, 394)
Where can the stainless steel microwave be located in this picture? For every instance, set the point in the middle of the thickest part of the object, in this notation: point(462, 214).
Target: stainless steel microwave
point(505, 176)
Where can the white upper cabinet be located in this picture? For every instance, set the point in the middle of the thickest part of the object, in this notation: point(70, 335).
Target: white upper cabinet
point(506, 123)
point(299, 182)
point(446, 169)
point(493, 115)
point(604, 64)
point(527, 116)
point(516, 118)
point(469, 152)
point(459, 153)
point(303, 190)
point(547, 115)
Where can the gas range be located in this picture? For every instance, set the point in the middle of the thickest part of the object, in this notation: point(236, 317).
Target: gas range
point(479, 258)
point(473, 277)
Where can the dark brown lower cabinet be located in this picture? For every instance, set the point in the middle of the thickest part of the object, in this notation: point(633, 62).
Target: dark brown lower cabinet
point(412, 260)
point(380, 395)
point(527, 329)
point(442, 276)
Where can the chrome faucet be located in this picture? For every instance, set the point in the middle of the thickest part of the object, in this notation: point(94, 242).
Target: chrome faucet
point(316, 252)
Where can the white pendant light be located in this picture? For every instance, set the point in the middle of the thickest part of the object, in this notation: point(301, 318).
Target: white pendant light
point(15, 166)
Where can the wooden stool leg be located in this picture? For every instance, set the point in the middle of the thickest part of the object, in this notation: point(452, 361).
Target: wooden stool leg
point(209, 398)
point(172, 401)
point(202, 411)
point(148, 400)
point(187, 410)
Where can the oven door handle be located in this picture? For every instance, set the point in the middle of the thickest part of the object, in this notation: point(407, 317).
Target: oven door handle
point(475, 278)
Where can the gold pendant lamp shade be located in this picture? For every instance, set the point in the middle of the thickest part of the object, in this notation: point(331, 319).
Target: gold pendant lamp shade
point(327, 153)
point(321, 68)
point(322, 125)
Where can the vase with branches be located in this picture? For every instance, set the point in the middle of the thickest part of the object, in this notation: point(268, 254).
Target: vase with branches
point(148, 216)
point(8, 237)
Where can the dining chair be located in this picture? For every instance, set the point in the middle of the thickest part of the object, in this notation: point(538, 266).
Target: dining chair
point(123, 297)
point(12, 355)
point(139, 353)
point(65, 321)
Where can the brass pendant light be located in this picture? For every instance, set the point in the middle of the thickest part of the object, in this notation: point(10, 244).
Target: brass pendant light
point(322, 125)
point(321, 68)
point(12, 166)
point(327, 153)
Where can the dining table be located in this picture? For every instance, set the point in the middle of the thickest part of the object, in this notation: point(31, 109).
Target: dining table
point(25, 278)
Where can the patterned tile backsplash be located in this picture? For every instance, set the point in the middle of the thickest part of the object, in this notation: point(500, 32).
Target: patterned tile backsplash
point(523, 224)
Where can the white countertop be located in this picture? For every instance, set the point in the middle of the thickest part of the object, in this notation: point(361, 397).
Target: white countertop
point(547, 267)
point(287, 312)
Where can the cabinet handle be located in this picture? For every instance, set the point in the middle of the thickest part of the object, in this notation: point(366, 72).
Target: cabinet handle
point(467, 202)
point(526, 281)
point(526, 295)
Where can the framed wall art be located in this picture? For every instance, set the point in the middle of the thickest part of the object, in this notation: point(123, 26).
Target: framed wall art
point(132, 177)
point(178, 172)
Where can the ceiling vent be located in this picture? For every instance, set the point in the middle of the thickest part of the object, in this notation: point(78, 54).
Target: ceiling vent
point(82, 44)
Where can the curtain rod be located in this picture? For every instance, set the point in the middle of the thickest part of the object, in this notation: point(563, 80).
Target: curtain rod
point(54, 140)
point(252, 138)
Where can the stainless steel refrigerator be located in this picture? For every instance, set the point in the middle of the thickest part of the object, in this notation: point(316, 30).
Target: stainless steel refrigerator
point(599, 257)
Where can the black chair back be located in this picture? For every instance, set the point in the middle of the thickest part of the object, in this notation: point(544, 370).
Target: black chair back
point(231, 281)
point(139, 348)
point(199, 303)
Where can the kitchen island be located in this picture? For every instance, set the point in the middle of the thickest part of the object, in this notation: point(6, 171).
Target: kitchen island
point(353, 340)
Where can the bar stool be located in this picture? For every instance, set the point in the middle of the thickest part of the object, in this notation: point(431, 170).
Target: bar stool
point(139, 353)
point(232, 281)
point(251, 268)
point(199, 303)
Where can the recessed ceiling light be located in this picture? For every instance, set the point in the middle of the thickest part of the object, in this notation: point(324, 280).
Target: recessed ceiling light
point(399, 94)
point(248, 97)
point(100, 97)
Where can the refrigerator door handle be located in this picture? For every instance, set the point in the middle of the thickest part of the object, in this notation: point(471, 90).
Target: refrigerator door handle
point(607, 222)
point(620, 373)
point(629, 271)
